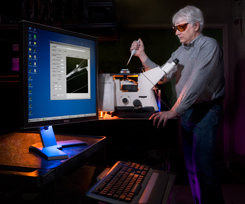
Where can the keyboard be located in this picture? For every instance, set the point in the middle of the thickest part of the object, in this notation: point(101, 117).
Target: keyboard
point(125, 183)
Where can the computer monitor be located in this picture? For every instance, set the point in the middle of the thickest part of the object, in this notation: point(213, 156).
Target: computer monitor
point(58, 75)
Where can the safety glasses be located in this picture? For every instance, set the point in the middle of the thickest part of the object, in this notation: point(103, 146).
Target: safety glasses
point(181, 27)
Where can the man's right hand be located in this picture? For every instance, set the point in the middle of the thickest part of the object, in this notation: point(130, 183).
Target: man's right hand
point(140, 50)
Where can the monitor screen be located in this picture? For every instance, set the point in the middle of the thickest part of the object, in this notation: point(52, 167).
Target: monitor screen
point(58, 74)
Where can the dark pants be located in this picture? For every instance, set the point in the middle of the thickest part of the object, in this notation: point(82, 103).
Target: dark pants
point(199, 131)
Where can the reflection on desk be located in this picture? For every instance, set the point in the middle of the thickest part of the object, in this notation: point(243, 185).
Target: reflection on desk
point(16, 162)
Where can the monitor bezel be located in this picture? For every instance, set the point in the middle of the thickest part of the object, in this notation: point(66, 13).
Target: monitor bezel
point(23, 53)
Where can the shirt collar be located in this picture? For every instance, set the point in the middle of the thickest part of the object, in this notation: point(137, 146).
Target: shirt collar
point(191, 44)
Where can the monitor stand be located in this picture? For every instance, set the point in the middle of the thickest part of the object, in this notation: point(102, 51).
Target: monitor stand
point(49, 148)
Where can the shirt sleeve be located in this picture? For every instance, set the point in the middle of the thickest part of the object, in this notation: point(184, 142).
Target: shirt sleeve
point(150, 64)
point(202, 73)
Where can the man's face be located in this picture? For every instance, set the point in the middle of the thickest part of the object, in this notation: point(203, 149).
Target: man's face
point(189, 34)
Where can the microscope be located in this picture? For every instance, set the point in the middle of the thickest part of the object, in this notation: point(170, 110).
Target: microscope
point(129, 98)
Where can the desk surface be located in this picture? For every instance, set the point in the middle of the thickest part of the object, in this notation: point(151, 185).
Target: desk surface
point(16, 160)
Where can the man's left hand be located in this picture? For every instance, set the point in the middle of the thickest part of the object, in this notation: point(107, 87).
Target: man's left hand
point(163, 117)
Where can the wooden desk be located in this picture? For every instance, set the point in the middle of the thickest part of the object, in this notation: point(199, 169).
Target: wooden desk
point(20, 166)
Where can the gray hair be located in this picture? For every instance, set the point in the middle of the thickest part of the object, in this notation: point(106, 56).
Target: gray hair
point(191, 14)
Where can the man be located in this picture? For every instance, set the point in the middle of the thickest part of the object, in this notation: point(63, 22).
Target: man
point(200, 92)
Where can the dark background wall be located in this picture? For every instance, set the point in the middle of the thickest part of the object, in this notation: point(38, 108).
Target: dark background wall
point(116, 24)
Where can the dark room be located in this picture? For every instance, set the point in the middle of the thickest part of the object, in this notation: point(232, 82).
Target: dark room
point(122, 101)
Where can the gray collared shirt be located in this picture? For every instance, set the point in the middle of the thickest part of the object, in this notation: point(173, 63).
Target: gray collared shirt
point(200, 71)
